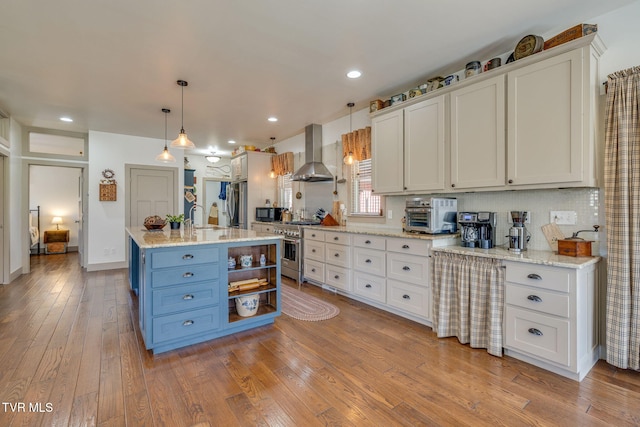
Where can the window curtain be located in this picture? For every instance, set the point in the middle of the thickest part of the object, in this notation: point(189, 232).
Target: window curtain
point(622, 201)
point(468, 300)
point(282, 164)
point(358, 143)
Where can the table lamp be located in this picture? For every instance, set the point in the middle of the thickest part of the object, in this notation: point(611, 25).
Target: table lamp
point(57, 221)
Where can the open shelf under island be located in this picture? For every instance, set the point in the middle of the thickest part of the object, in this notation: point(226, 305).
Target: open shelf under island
point(187, 283)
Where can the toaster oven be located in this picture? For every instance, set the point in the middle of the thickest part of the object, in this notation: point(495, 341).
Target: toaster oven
point(435, 215)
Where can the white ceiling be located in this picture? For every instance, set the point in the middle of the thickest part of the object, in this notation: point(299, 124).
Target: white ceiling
point(112, 65)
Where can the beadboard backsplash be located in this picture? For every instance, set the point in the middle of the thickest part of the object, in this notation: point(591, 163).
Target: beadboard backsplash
point(586, 202)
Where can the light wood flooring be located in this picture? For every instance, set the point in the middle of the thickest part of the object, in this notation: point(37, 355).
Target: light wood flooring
point(72, 354)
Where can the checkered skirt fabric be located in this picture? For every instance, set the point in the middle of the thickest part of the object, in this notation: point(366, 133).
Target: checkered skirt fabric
point(622, 203)
point(468, 300)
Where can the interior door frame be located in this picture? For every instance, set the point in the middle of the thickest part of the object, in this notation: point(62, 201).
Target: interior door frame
point(26, 164)
point(205, 202)
point(127, 202)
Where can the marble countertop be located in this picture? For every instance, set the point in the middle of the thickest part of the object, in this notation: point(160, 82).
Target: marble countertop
point(379, 231)
point(199, 236)
point(529, 256)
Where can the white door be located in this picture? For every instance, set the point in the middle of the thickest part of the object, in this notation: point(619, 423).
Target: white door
point(152, 191)
point(2, 220)
point(80, 220)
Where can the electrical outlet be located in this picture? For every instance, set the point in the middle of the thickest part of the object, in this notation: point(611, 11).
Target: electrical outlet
point(389, 214)
point(563, 217)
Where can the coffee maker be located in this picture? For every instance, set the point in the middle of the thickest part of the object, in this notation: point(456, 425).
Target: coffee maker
point(518, 233)
point(477, 229)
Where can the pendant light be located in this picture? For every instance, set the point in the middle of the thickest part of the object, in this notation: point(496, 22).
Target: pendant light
point(212, 158)
point(348, 159)
point(182, 141)
point(165, 156)
point(272, 174)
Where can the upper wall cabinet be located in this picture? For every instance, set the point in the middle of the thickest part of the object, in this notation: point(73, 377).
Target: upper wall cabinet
point(478, 135)
point(408, 148)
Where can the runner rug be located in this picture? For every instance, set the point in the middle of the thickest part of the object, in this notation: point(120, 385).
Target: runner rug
point(303, 306)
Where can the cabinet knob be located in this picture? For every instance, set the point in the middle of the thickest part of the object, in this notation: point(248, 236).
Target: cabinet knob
point(368, 261)
point(336, 277)
point(188, 297)
point(367, 286)
point(187, 256)
point(188, 323)
point(368, 242)
point(534, 276)
point(313, 250)
point(336, 238)
point(405, 296)
point(534, 298)
point(313, 270)
point(453, 185)
point(534, 331)
point(336, 255)
point(510, 181)
point(406, 268)
point(187, 274)
point(405, 246)
point(313, 235)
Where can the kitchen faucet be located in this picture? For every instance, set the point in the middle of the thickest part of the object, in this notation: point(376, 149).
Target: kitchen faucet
point(190, 219)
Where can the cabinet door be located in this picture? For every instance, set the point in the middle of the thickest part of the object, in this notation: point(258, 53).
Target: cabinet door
point(236, 169)
point(424, 145)
point(478, 135)
point(387, 152)
point(545, 109)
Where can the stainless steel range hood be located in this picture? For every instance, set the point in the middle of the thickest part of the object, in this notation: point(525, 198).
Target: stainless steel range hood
point(313, 170)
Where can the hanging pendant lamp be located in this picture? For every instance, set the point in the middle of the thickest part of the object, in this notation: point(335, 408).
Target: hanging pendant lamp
point(348, 159)
point(182, 141)
point(165, 156)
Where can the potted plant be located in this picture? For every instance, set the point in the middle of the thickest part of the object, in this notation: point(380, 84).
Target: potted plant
point(175, 220)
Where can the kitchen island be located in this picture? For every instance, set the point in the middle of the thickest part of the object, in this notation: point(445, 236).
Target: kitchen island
point(185, 283)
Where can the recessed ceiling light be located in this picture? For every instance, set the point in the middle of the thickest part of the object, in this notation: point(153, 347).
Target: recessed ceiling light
point(354, 74)
point(231, 141)
point(66, 119)
point(273, 119)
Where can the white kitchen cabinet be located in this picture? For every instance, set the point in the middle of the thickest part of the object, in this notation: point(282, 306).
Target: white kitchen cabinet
point(387, 152)
point(478, 135)
point(550, 317)
point(408, 148)
point(551, 125)
point(239, 167)
point(369, 267)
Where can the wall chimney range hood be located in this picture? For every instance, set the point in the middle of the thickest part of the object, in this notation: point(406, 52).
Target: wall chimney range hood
point(313, 170)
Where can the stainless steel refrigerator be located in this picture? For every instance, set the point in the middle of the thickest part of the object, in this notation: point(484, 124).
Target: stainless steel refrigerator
point(237, 204)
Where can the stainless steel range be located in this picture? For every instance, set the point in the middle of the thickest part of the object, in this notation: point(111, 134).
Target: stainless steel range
point(291, 259)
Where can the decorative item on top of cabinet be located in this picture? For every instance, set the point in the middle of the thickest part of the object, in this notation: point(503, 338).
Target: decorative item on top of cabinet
point(108, 186)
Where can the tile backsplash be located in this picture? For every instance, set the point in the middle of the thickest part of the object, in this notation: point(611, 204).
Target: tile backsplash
point(586, 202)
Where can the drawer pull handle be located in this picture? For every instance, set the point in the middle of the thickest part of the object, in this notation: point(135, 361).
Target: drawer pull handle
point(405, 296)
point(336, 277)
point(187, 274)
point(535, 331)
point(368, 242)
point(313, 250)
point(336, 238)
point(368, 261)
point(534, 276)
point(313, 235)
point(188, 297)
point(368, 286)
point(534, 298)
point(336, 255)
point(405, 246)
point(406, 268)
point(187, 256)
point(188, 323)
point(313, 270)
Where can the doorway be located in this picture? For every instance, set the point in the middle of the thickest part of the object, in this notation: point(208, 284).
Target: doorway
point(215, 210)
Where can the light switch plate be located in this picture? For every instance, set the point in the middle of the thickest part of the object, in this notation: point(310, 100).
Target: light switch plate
point(563, 217)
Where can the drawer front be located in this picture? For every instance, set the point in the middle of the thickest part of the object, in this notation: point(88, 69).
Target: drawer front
point(371, 287)
point(313, 235)
point(410, 298)
point(370, 261)
point(540, 276)
point(313, 250)
point(184, 256)
point(370, 242)
point(267, 228)
point(180, 298)
point(337, 255)
point(537, 299)
point(408, 268)
point(338, 277)
point(409, 246)
point(184, 275)
point(314, 270)
point(185, 324)
point(537, 334)
point(337, 238)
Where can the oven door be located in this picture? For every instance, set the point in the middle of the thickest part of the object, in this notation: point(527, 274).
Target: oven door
point(418, 219)
point(291, 258)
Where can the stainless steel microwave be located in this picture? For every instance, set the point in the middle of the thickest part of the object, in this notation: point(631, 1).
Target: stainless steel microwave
point(431, 216)
point(269, 214)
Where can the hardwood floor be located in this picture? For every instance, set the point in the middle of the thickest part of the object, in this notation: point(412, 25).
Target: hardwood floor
point(71, 353)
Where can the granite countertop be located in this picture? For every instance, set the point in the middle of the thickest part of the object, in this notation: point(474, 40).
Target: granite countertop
point(380, 231)
point(200, 236)
point(529, 256)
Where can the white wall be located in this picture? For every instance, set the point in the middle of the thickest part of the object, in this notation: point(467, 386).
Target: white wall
point(56, 197)
point(18, 235)
point(620, 32)
point(106, 222)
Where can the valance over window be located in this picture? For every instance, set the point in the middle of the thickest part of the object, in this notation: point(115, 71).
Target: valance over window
point(358, 143)
point(282, 164)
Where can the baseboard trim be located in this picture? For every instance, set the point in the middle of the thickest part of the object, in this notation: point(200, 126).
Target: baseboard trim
point(107, 266)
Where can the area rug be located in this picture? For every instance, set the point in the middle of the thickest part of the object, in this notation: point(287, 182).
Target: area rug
point(303, 306)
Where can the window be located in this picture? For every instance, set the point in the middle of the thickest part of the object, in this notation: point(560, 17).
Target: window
point(285, 191)
point(363, 202)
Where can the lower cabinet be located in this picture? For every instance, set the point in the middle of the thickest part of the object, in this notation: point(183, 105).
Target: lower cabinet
point(184, 292)
point(550, 317)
